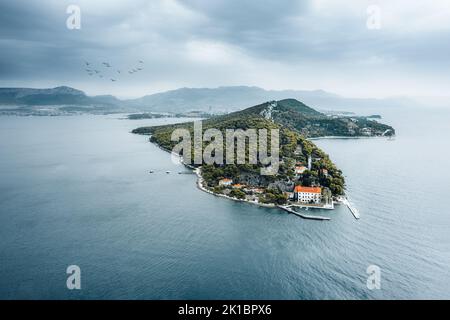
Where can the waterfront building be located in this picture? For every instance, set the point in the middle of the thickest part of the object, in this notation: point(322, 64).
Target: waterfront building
point(308, 194)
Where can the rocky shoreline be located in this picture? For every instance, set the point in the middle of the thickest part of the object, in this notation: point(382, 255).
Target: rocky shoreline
point(201, 187)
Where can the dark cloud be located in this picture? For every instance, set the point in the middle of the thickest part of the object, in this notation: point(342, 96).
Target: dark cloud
point(248, 16)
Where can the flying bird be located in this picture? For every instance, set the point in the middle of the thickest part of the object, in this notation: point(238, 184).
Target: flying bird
point(106, 64)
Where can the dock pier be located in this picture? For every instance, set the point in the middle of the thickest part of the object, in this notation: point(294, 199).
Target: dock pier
point(304, 216)
point(352, 208)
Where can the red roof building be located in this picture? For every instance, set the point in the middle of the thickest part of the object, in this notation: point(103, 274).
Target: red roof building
point(308, 194)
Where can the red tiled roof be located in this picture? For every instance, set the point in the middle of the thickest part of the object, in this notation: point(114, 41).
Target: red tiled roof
point(308, 189)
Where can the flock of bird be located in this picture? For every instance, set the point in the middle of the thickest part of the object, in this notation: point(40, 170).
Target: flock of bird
point(106, 66)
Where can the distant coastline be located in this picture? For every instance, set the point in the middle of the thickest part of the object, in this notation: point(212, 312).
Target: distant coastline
point(345, 137)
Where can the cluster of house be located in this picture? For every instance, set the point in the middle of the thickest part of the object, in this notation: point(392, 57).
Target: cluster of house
point(300, 193)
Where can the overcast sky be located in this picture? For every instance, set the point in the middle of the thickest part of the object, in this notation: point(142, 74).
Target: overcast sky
point(274, 44)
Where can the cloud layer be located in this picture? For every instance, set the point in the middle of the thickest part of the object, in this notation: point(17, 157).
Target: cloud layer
point(275, 44)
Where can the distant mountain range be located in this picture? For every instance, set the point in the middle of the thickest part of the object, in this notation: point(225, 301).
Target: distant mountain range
point(55, 96)
point(221, 99)
point(239, 97)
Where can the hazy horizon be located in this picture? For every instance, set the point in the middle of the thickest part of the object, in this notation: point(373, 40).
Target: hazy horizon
point(440, 99)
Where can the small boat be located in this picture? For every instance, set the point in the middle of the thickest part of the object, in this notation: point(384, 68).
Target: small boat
point(151, 171)
point(167, 172)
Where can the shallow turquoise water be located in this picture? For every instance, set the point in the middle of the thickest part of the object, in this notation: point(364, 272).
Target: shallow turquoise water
point(76, 190)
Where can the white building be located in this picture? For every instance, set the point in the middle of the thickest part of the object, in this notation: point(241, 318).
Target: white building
point(300, 169)
point(308, 194)
point(225, 182)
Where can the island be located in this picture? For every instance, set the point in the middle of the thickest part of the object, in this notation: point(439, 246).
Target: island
point(306, 176)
